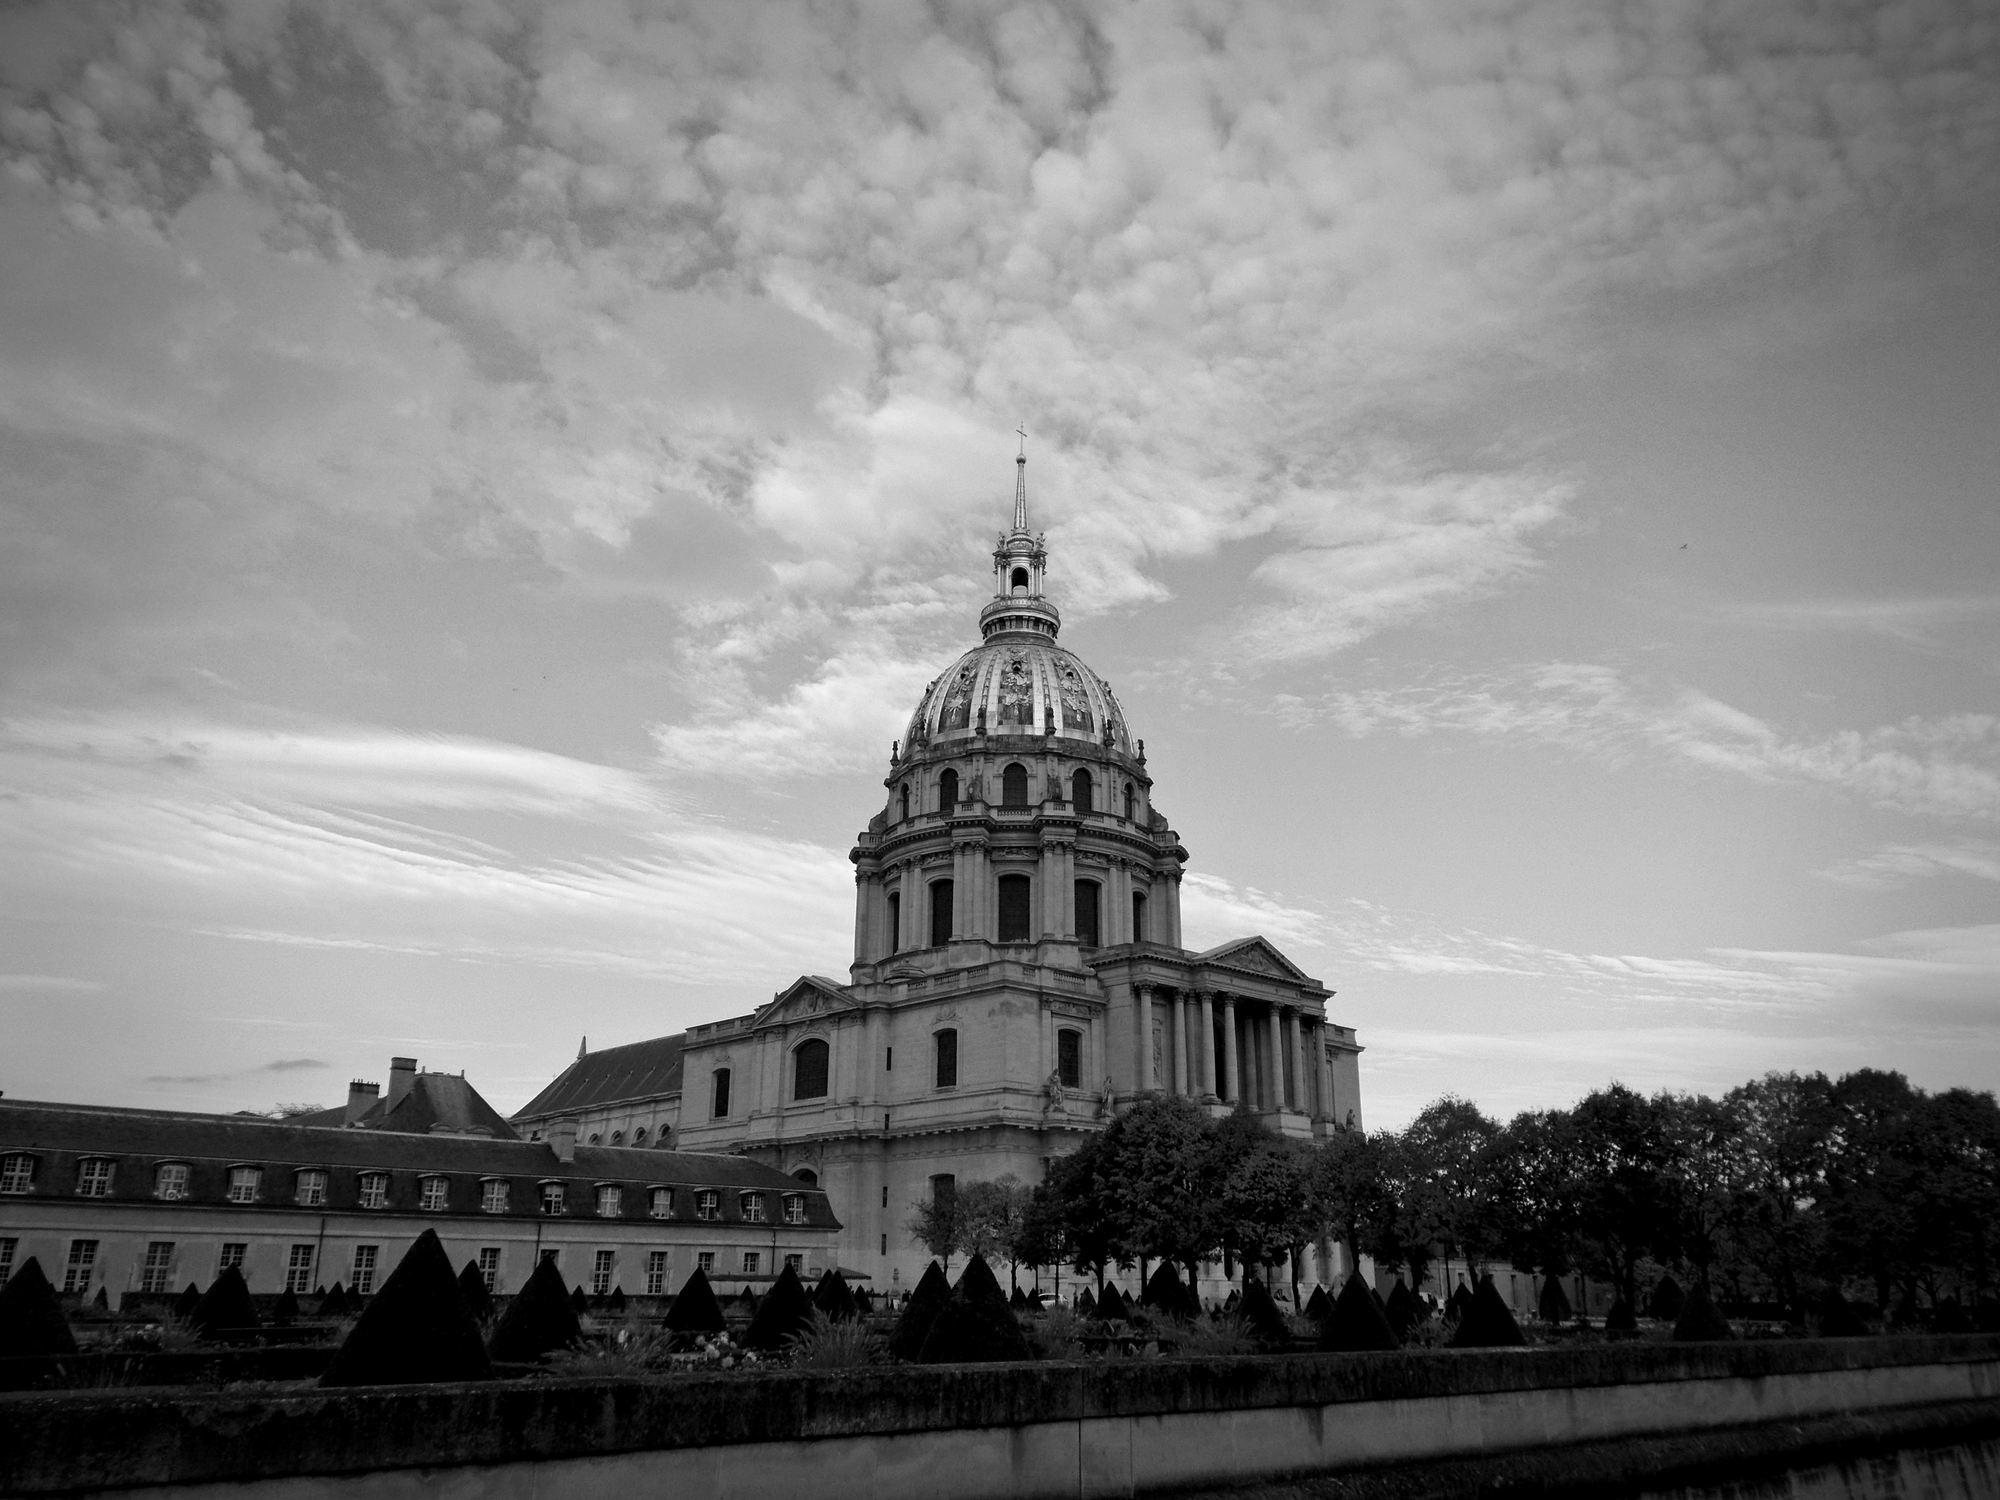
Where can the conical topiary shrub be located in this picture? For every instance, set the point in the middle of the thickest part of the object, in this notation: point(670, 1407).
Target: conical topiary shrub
point(1018, 1300)
point(1838, 1319)
point(976, 1325)
point(1112, 1306)
point(472, 1287)
point(1401, 1310)
point(285, 1310)
point(1319, 1306)
point(1701, 1321)
point(615, 1304)
point(1487, 1322)
point(579, 1304)
point(1356, 1323)
point(416, 1329)
point(864, 1300)
point(1261, 1317)
point(1554, 1305)
point(785, 1311)
point(225, 1307)
point(695, 1309)
point(31, 1315)
point(926, 1302)
point(1668, 1301)
point(539, 1320)
point(334, 1303)
point(1086, 1304)
point(187, 1301)
point(1620, 1322)
point(834, 1298)
point(1456, 1304)
point(1167, 1293)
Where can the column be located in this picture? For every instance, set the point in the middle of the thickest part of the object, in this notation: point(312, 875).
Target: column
point(1276, 1033)
point(865, 947)
point(1169, 891)
point(961, 890)
point(1295, 1079)
point(1323, 1069)
point(1180, 1043)
point(1205, 1054)
point(1232, 1073)
point(1066, 859)
point(1143, 1010)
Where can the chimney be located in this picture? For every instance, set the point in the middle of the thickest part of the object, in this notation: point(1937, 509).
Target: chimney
point(402, 1075)
point(360, 1097)
point(562, 1139)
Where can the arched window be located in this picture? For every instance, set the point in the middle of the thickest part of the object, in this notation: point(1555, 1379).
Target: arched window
point(940, 913)
point(1138, 916)
point(639, 1136)
point(617, 1137)
point(718, 1093)
point(1014, 909)
point(806, 1175)
point(947, 791)
point(1086, 913)
point(895, 921)
point(809, 1070)
point(1131, 801)
point(945, 1050)
point(1014, 786)
point(1069, 1059)
point(1019, 582)
point(1079, 790)
point(906, 802)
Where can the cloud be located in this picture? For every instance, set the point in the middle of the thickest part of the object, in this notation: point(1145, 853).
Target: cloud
point(1214, 910)
point(1895, 865)
point(293, 1065)
point(61, 983)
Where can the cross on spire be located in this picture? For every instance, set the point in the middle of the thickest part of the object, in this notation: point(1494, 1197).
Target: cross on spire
point(1021, 482)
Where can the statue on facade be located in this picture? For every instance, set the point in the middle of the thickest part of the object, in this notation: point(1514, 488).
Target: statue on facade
point(1106, 1099)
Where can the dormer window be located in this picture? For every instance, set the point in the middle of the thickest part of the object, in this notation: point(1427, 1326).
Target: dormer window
point(243, 1183)
point(708, 1205)
point(93, 1177)
point(372, 1190)
point(795, 1208)
point(17, 1173)
point(752, 1207)
point(433, 1194)
point(661, 1205)
point(170, 1181)
point(309, 1188)
point(610, 1201)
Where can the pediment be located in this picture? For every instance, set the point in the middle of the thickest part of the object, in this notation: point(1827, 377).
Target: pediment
point(807, 998)
point(1259, 956)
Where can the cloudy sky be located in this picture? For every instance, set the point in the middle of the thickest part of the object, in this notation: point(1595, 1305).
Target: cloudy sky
point(481, 485)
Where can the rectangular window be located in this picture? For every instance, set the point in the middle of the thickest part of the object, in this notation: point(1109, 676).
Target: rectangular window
point(554, 1253)
point(944, 1188)
point(719, 1093)
point(1086, 913)
point(8, 1246)
point(885, 1244)
point(493, 1195)
point(374, 1190)
point(795, 1208)
point(885, 1195)
point(1069, 1059)
point(796, 1264)
point(299, 1269)
point(600, 1273)
point(17, 1173)
point(1014, 909)
point(1138, 917)
point(311, 1189)
point(656, 1273)
point(489, 1267)
point(753, 1263)
point(76, 1271)
point(895, 922)
point(704, 1262)
point(362, 1281)
point(433, 1194)
point(156, 1273)
point(708, 1204)
point(170, 1181)
point(751, 1206)
point(93, 1178)
point(662, 1204)
point(243, 1184)
point(553, 1204)
point(940, 913)
point(234, 1252)
point(610, 1202)
point(946, 1044)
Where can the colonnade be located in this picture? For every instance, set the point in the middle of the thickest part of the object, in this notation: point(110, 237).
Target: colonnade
point(1271, 1056)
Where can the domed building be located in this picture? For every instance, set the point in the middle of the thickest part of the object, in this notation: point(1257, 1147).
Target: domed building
point(1018, 975)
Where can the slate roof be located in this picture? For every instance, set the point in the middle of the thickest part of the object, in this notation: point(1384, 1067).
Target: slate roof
point(638, 1070)
point(436, 1101)
point(60, 1136)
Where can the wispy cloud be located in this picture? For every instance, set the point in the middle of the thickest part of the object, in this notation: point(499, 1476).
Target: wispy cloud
point(56, 983)
point(1895, 865)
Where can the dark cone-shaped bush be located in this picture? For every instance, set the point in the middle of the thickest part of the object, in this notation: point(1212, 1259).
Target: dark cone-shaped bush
point(786, 1310)
point(1554, 1305)
point(102, 1301)
point(1668, 1300)
point(579, 1304)
point(976, 1326)
point(1167, 1293)
point(1908, 1317)
point(334, 1303)
point(864, 1301)
point(1488, 1323)
point(1839, 1320)
point(416, 1329)
point(1357, 1324)
point(1037, 1301)
point(834, 1298)
point(1621, 1321)
point(926, 1302)
point(695, 1309)
point(1456, 1304)
point(1018, 1300)
point(187, 1301)
point(615, 1303)
point(1402, 1310)
point(1086, 1304)
point(472, 1287)
point(1261, 1317)
point(540, 1319)
point(1319, 1306)
point(224, 1307)
point(285, 1311)
point(1701, 1321)
point(31, 1315)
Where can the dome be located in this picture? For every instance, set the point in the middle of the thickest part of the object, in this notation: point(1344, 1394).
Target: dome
point(1016, 683)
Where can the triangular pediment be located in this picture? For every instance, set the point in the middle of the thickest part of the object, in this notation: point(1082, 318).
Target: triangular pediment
point(1259, 956)
point(808, 996)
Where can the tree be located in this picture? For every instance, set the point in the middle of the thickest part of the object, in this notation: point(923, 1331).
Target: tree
point(1531, 1186)
point(938, 1223)
point(991, 1215)
point(1266, 1203)
point(1787, 1123)
point(1350, 1192)
point(1702, 1176)
point(1158, 1169)
point(1622, 1213)
point(1443, 1158)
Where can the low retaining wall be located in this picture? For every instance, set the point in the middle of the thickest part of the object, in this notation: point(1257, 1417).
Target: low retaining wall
point(1012, 1431)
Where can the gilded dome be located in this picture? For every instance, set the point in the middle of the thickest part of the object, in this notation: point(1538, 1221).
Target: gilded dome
point(1017, 683)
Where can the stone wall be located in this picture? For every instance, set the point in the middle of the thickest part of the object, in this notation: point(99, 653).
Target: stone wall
point(1121, 1428)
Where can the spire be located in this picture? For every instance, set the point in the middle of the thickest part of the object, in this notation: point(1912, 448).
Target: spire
point(1021, 484)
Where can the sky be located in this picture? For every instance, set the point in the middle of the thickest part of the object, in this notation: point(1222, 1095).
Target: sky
point(482, 484)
